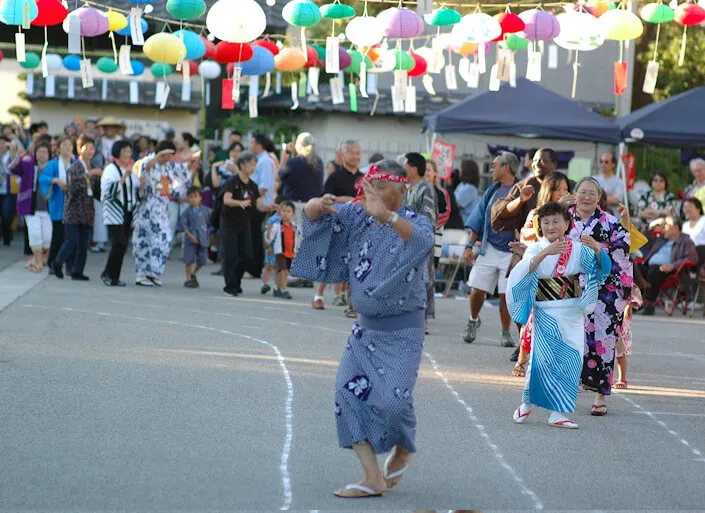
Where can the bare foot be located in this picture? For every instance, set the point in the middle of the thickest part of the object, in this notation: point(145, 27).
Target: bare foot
point(399, 459)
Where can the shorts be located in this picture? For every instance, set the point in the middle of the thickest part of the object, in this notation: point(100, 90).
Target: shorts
point(195, 254)
point(39, 228)
point(283, 263)
point(490, 270)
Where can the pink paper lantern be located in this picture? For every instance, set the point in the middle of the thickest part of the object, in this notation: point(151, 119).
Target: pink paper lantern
point(401, 23)
point(540, 25)
point(93, 22)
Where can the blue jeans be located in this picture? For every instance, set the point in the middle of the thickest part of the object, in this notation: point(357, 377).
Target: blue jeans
point(75, 247)
point(7, 215)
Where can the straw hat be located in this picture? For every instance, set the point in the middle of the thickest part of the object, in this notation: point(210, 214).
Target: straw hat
point(111, 121)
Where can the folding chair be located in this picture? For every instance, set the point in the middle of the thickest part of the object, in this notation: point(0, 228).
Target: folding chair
point(700, 287)
point(670, 295)
point(453, 238)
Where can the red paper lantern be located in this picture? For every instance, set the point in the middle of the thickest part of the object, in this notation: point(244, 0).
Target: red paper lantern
point(312, 58)
point(269, 45)
point(2, 55)
point(210, 48)
point(510, 23)
point(51, 13)
point(193, 68)
point(232, 52)
point(420, 65)
point(689, 14)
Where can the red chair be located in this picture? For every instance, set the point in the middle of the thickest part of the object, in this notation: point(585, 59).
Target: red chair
point(670, 296)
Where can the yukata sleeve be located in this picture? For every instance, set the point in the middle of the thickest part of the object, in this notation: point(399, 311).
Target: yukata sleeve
point(179, 174)
point(324, 246)
point(110, 184)
point(522, 286)
point(595, 275)
point(621, 276)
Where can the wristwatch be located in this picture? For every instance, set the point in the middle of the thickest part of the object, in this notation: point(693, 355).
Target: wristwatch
point(392, 220)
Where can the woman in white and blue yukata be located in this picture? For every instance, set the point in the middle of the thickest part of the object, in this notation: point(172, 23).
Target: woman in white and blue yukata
point(381, 248)
point(558, 280)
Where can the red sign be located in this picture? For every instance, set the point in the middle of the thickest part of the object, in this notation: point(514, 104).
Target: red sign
point(443, 155)
point(629, 161)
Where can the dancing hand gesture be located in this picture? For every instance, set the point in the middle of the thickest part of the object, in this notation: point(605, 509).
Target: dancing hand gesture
point(373, 204)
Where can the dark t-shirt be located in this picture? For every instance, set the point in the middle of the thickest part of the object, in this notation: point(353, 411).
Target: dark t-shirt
point(342, 182)
point(236, 216)
point(300, 182)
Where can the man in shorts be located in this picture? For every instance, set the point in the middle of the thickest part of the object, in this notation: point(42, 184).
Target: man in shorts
point(491, 265)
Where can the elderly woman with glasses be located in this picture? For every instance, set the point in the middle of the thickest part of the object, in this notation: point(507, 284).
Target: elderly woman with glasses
point(595, 227)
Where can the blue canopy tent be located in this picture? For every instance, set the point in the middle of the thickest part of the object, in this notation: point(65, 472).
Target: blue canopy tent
point(526, 110)
point(677, 121)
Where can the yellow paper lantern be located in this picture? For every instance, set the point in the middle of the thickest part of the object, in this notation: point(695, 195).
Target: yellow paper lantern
point(466, 49)
point(116, 21)
point(621, 25)
point(289, 59)
point(164, 47)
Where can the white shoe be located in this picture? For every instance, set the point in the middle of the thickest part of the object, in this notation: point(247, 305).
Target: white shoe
point(522, 413)
point(561, 421)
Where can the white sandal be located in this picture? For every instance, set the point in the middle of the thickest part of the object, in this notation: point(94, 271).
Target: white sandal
point(520, 415)
point(561, 421)
point(363, 492)
point(388, 477)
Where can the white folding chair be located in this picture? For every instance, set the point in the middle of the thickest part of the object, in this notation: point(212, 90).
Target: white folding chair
point(457, 238)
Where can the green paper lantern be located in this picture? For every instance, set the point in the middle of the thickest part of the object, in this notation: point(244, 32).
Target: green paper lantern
point(337, 11)
point(186, 9)
point(443, 17)
point(106, 65)
point(403, 61)
point(657, 13)
point(301, 13)
point(31, 61)
point(161, 69)
point(356, 60)
point(514, 42)
point(321, 51)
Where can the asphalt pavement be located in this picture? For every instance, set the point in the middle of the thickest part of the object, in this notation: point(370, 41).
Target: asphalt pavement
point(144, 399)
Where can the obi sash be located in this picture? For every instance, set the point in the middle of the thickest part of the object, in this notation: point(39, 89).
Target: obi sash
point(558, 287)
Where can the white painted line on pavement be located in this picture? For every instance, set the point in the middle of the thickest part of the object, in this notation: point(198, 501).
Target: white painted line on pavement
point(483, 433)
point(696, 452)
point(286, 451)
point(675, 413)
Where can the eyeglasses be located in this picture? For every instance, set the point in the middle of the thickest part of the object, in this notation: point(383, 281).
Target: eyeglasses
point(605, 161)
point(587, 194)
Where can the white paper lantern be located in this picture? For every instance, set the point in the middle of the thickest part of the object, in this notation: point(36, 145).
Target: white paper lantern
point(236, 21)
point(436, 62)
point(365, 31)
point(477, 27)
point(384, 63)
point(54, 62)
point(209, 70)
point(579, 31)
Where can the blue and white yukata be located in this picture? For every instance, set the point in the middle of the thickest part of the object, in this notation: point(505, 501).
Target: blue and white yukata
point(379, 367)
point(556, 361)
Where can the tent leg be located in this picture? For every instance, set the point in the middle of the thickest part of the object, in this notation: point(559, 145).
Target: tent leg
point(622, 172)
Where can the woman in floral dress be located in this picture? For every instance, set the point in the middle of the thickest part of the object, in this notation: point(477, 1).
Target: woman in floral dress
point(604, 325)
point(151, 240)
point(659, 201)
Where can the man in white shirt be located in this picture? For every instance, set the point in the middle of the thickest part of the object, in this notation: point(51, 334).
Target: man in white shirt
point(264, 178)
point(611, 183)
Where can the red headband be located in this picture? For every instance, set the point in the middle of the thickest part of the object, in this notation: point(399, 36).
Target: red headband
point(375, 173)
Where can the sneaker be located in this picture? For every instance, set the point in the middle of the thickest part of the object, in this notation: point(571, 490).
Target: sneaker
point(79, 277)
point(277, 293)
point(506, 340)
point(265, 288)
point(191, 284)
point(471, 330)
point(230, 292)
point(339, 300)
point(515, 355)
point(58, 271)
point(286, 295)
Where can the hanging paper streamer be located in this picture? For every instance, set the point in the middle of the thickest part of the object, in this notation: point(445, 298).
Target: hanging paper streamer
point(552, 57)
point(186, 91)
point(165, 97)
point(20, 47)
point(400, 80)
point(363, 79)
point(504, 61)
point(494, 78)
point(254, 86)
point(208, 93)
point(237, 74)
point(353, 97)
point(576, 66)
point(45, 67)
point(226, 100)
point(30, 82)
point(159, 89)
point(464, 68)
point(620, 77)
point(252, 103)
point(302, 85)
point(481, 60)
point(336, 90)
point(267, 84)
point(512, 75)
point(136, 26)
point(124, 60)
point(295, 96)
point(303, 40)
point(86, 73)
point(74, 41)
point(314, 75)
point(650, 77)
point(71, 87)
point(451, 80)
point(427, 81)
point(410, 103)
point(474, 76)
point(111, 36)
point(397, 101)
point(278, 83)
point(104, 90)
point(252, 96)
point(372, 83)
point(26, 16)
point(533, 66)
point(134, 92)
point(186, 74)
point(332, 55)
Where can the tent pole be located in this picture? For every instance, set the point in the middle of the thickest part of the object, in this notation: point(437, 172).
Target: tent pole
point(429, 147)
point(622, 172)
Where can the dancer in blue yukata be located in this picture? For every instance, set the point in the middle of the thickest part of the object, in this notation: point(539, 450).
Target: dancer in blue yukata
point(380, 247)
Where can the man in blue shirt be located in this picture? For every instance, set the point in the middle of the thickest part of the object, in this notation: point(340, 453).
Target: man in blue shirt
point(264, 178)
point(492, 263)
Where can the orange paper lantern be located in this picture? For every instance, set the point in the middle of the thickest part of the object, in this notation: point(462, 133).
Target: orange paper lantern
point(289, 59)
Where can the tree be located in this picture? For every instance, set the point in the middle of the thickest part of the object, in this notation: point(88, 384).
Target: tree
point(20, 112)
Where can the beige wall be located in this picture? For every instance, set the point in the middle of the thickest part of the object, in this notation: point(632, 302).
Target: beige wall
point(10, 85)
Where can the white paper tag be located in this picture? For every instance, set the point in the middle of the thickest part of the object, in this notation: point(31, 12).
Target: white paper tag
point(186, 91)
point(30, 82)
point(45, 66)
point(542, 47)
point(71, 87)
point(237, 75)
point(134, 92)
point(336, 91)
point(167, 90)
point(254, 86)
point(552, 57)
point(474, 76)
point(410, 103)
point(504, 61)
point(20, 47)
point(104, 90)
point(363, 79)
point(124, 60)
point(494, 79)
point(278, 83)
point(533, 66)
point(464, 68)
point(650, 77)
point(26, 16)
point(451, 80)
point(427, 81)
point(481, 58)
point(74, 41)
point(159, 92)
point(267, 84)
point(208, 93)
point(86, 73)
point(397, 101)
point(295, 95)
point(332, 55)
point(400, 81)
point(513, 75)
point(253, 106)
point(372, 83)
point(50, 86)
point(186, 73)
point(136, 26)
point(314, 75)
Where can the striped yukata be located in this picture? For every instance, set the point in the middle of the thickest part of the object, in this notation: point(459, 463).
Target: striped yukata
point(117, 200)
point(553, 292)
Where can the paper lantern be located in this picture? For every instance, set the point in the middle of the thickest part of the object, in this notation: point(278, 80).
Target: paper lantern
point(50, 13)
point(290, 59)
point(372, 52)
point(116, 21)
point(597, 8)
point(32, 60)
point(232, 52)
point(137, 68)
point(236, 21)
point(186, 9)
point(355, 62)
point(657, 13)
point(433, 66)
point(164, 47)
point(400, 22)
point(106, 65)
point(510, 22)
point(364, 31)
point(210, 48)
point(420, 65)
point(262, 62)
point(53, 62)
point(12, 11)
point(271, 46)
point(477, 28)
point(400, 60)
point(127, 31)
point(344, 58)
point(466, 49)
point(209, 70)
point(301, 13)
point(161, 69)
point(72, 62)
point(93, 22)
point(195, 47)
point(312, 60)
point(321, 51)
point(539, 25)
point(442, 17)
point(449, 42)
point(579, 31)
point(689, 14)
point(337, 11)
point(514, 42)
point(621, 25)
point(2, 55)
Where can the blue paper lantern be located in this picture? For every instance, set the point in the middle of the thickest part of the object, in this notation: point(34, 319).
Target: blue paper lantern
point(137, 68)
point(126, 31)
point(195, 46)
point(72, 63)
point(262, 62)
point(12, 10)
